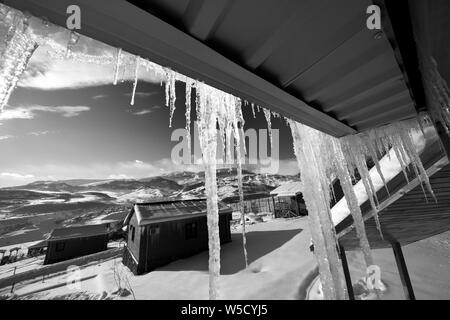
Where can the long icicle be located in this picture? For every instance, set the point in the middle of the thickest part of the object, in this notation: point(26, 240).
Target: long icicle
point(207, 119)
point(268, 115)
point(312, 164)
point(136, 76)
point(236, 121)
point(188, 114)
point(117, 66)
point(19, 48)
point(352, 201)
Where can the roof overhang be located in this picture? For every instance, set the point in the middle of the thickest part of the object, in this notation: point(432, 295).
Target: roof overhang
point(141, 220)
point(313, 61)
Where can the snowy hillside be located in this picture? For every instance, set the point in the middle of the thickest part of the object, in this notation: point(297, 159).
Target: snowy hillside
point(31, 211)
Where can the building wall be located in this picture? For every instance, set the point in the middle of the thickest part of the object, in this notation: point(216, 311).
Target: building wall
point(161, 243)
point(60, 250)
point(133, 246)
point(295, 203)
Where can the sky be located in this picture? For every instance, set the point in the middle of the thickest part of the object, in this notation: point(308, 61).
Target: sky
point(67, 120)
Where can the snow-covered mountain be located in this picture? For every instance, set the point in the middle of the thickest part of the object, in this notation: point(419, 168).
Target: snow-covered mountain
point(40, 196)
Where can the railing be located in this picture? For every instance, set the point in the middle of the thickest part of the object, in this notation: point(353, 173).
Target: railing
point(59, 267)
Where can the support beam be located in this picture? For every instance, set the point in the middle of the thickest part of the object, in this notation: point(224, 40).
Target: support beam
point(397, 26)
point(261, 51)
point(403, 271)
point(363, 90)
point(203, 16)
point(348, 279)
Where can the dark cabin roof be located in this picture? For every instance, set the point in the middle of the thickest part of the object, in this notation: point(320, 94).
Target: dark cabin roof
point(79, 232)
point(160, 211)
point(288, 189)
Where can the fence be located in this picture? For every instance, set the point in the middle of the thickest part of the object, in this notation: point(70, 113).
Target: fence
point(60, 266)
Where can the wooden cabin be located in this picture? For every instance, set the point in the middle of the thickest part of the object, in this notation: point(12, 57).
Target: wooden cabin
point(72, 242)
point(164, 231)
point(288, 200)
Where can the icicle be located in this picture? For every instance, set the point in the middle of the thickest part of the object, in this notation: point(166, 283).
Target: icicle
point(437, 91)
point(189, 85)
point(207, 119)
point(238, 119)
point(257, 108)
point(19, 48)
point(253, 111)
point(421, 174)
point(268, 114)
point(313, 163)
point(170, 93)
point(352, 202)
point(373, 154)
point(217, 107)
point(136, 76)
point(117, 67)
point(73, 40)
point(355, 153)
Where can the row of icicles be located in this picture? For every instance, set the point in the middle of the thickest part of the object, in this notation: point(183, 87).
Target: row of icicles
point(321, 158)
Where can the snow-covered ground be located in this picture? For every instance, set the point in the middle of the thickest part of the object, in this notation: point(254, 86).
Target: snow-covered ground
point(281, 266)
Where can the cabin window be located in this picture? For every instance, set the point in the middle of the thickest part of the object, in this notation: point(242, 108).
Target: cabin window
point(132, 233)
point(60, 246)
point(191, 230)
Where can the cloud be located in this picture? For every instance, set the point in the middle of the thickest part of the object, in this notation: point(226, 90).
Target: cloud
point(29, 112)
point(17, 175)
point(119, 177)
point(49, 73)
point(99, 96)
point(6, 137)
point(40, 133)
point(142, 94)
point(141, 112)
point(282, 167)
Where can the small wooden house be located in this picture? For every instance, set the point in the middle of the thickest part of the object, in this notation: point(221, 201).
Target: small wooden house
point(72, 242)
point(164, 231)
point(288, 200)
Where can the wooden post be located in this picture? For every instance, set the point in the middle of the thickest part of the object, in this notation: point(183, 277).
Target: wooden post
point(348, 279)
point(273, 200)
point(403, 271)
point(14, 273)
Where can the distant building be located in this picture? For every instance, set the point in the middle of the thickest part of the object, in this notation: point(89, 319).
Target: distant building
point(288, 200)
point(72, 242)
point(164, 231)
